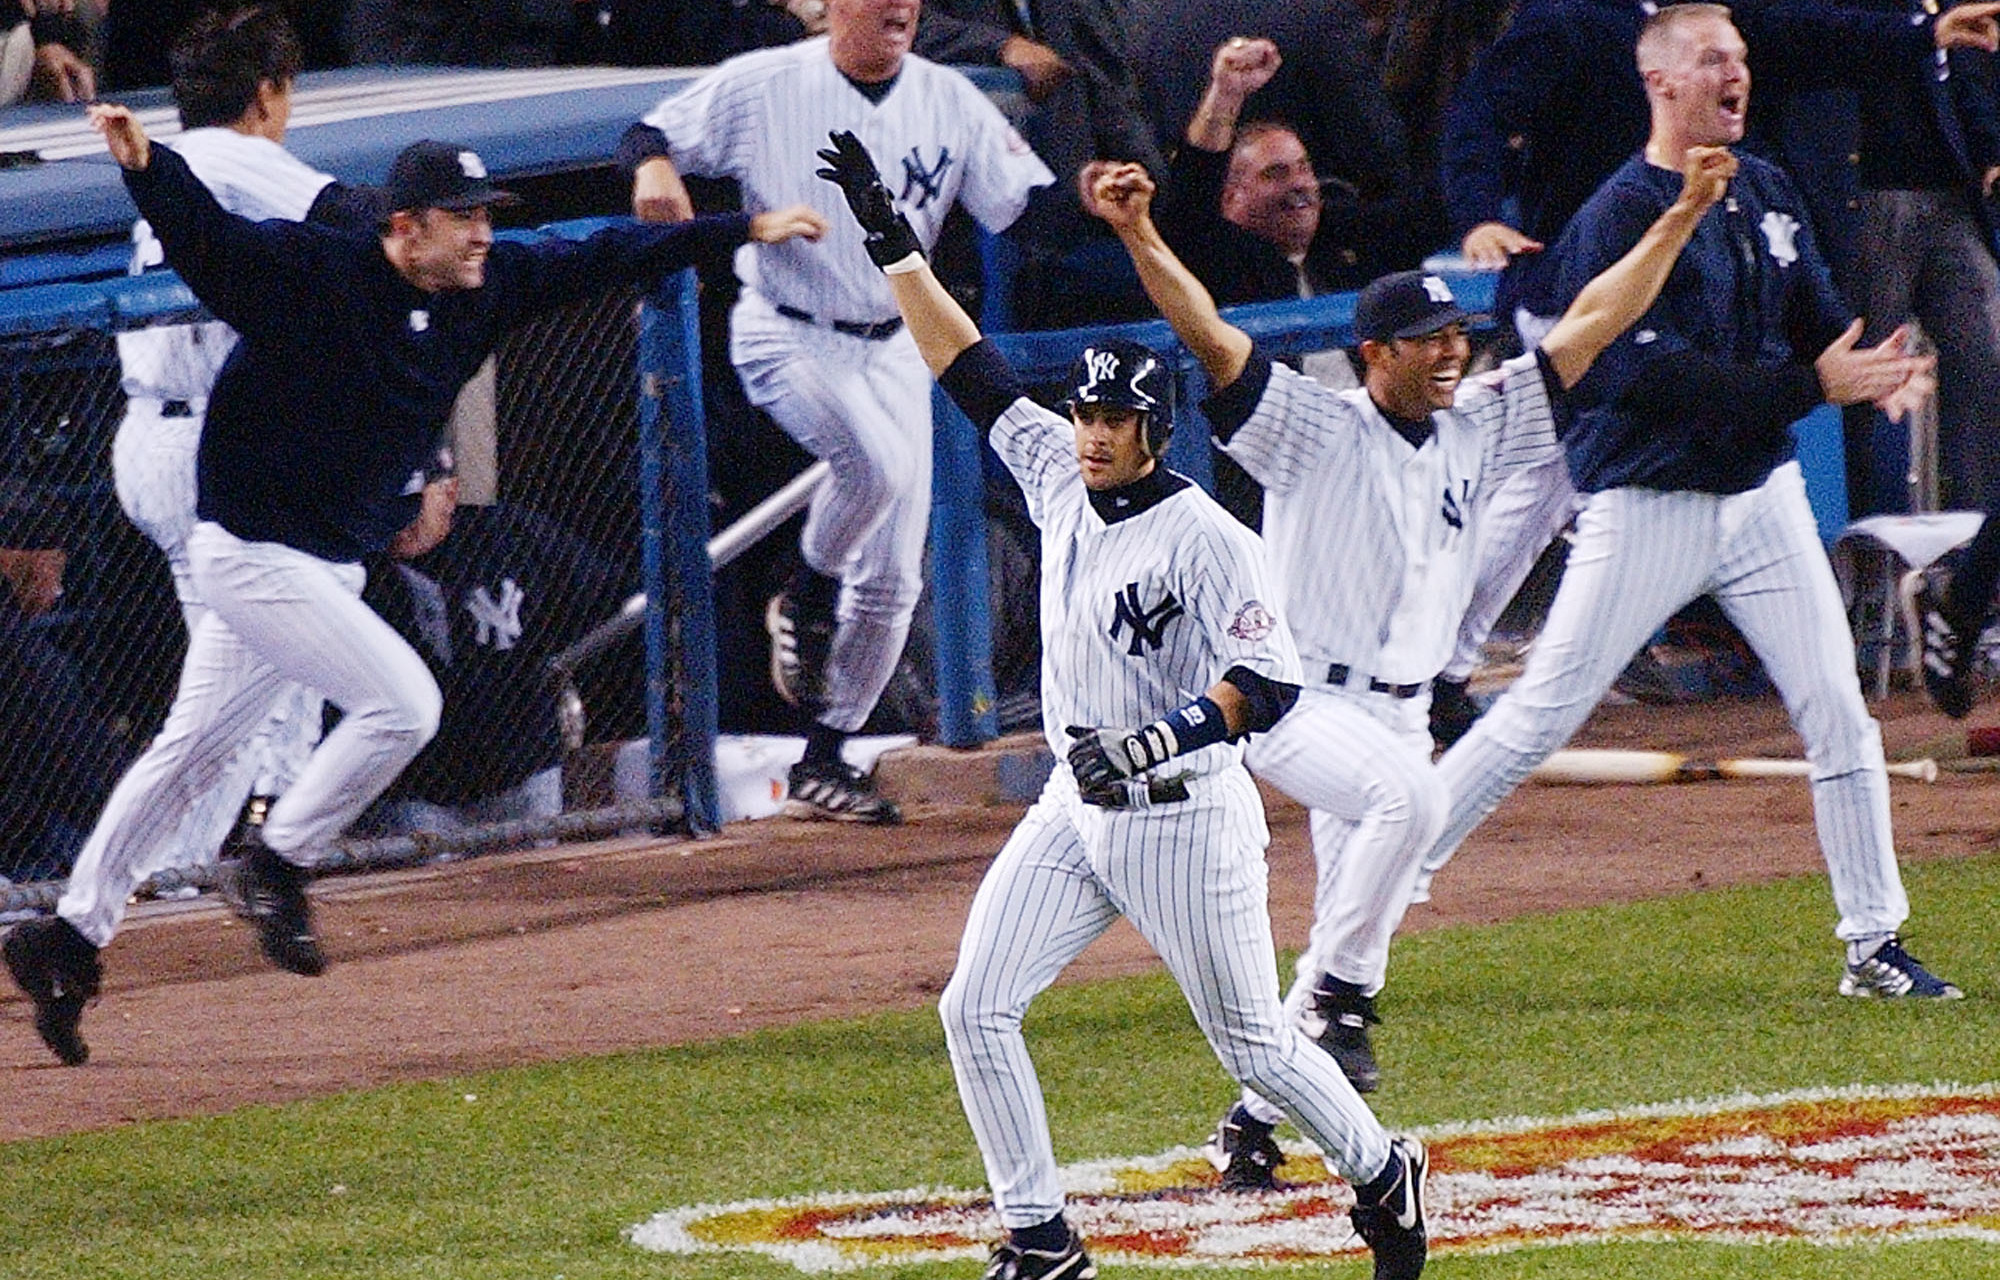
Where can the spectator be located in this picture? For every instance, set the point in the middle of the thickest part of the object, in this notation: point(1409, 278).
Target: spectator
point(1327, 88)
point(487, 595)
point(46, 54)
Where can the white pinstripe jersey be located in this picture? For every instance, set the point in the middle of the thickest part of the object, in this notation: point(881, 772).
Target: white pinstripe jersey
point(762, 117)
point(1373, 542)
point(1144, 614)
point(250, 175)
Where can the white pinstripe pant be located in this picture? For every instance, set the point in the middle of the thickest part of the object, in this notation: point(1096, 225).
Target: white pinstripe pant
point(277, 616)
point(153, 466)
point(1640, 555)
point(864, 407)
point(1361, 762)
point(1191, 878)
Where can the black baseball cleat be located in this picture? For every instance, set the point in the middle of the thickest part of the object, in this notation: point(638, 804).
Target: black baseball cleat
point(1244, 1152)
point(801, 629)
point(835, 791)
point(1453, 711)
point(1947, 653)
point(1391, 1218)
point(1347, 1015)
point(58, 968)
point(1010, 1261)
point(270, 893)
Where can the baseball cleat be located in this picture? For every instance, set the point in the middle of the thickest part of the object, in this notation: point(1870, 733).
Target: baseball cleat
point(1010, 1261)
point(835, 791)
point(1244, 1152)
point(270, 893)
point(58, 968)
point(1392, 1220)
point(1346, 1015)
point(1892, 973)
point(800, 646)
point(1947, 657)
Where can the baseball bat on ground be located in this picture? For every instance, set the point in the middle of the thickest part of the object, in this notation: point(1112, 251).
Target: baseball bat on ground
point(1600, 766)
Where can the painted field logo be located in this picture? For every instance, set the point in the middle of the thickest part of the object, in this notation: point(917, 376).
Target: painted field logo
point(1830, 1167)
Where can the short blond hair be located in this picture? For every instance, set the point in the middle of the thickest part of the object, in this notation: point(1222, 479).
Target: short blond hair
point(1665, 26)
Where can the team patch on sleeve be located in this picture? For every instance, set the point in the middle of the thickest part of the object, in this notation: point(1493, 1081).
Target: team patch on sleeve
point(1252, 622)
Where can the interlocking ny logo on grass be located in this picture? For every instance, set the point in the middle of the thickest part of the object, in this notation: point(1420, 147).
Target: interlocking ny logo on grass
point(1848, 1166)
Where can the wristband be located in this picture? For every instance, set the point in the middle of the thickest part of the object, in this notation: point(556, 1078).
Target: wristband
point(913, 261)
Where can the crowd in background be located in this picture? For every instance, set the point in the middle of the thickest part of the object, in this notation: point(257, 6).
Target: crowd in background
point(1302, 146)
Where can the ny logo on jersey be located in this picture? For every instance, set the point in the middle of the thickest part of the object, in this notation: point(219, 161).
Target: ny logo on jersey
point(928, 181)
point(499, 620)
point(1454, 505)
point(1149, 626)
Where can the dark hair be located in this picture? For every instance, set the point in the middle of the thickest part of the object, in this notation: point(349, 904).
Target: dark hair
point(223, 56)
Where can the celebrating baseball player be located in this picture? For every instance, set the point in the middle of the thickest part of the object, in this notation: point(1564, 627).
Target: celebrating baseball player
point(1682, 446)
point(233, 78)
point(819, 345)
point(354, 347)
point(1374, 503)
point(1156, 612)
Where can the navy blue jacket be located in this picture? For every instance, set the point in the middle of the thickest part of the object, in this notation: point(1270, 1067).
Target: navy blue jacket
point(1701, 392)
point(1557, 104)
point(330, 407)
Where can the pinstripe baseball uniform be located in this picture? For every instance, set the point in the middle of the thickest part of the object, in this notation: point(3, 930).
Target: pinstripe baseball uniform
point(860, 400)
point(1374, 544)
point(1150, 593)
point(1682, 448)
point(167, 372)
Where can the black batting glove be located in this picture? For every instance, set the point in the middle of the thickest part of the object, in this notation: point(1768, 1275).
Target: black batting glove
point(1100, 758)
point(887, 233)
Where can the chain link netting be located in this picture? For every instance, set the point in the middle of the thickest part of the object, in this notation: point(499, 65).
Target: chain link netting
point(92, 636)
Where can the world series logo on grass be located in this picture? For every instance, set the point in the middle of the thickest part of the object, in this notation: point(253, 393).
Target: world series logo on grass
point(1831, 1167)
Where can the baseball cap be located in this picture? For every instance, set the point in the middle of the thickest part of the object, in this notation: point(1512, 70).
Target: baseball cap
point(441, 175)
point(1405, 304)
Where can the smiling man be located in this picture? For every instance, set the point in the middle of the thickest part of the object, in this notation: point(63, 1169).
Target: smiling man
point(1377, 499)
point(1683, 450)
point(353, 348)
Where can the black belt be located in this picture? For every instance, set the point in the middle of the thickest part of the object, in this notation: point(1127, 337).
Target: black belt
point(852, 328)
point(176, 409)
point(1337, 674)
point(1158, 791)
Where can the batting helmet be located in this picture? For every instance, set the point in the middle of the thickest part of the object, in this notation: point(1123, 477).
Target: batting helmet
point(1115, 371)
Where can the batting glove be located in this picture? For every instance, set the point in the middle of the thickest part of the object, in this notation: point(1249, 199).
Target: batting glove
point(1105, 757)
point(887, 234)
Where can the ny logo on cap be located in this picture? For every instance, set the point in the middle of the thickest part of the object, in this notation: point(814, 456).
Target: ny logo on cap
point(1435, 290)
point(471, 165)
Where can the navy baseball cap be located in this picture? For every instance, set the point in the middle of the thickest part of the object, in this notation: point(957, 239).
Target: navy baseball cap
point(441, 175)
point(1405, 304)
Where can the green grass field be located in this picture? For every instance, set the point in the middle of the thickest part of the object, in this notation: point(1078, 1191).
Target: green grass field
point(535, 1173)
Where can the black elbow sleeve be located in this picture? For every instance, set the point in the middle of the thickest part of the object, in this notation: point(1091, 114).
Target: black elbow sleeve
point(1268, 699)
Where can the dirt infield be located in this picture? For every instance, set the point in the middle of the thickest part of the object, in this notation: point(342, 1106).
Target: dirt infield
point(630, 944)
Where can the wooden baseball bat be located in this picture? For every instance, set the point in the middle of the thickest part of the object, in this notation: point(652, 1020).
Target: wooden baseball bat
point(1602, 766)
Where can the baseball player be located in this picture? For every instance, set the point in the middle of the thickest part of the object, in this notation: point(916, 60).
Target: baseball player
point(817, 341)
point(233, 79)
point(1374, 501)
point(353, 349)
point(1682, 446)
point(1156, 611)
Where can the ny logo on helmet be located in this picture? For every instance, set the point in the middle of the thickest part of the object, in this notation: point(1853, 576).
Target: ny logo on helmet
point(1436, 290)
point(1098, 366)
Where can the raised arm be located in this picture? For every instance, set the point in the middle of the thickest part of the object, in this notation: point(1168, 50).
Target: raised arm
point(1615, 299)
point(1123, 196)
point(942, 329)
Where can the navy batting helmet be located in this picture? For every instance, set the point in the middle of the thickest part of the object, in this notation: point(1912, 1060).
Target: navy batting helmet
point(1115, 371)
